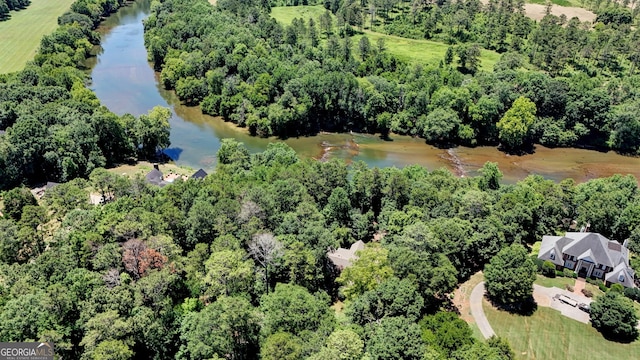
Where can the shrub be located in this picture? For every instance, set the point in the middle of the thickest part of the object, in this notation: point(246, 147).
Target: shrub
point(632, 293)
point(587, 293)
point(568, 273)
point(617, 288)
point(559, 273)
point(549, 269)
point(569, 287)
point(538, 263)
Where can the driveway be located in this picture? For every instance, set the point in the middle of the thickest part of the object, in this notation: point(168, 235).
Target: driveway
point(478, 313)
point(545, 296)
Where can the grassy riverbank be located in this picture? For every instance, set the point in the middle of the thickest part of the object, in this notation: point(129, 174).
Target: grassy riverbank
point(20, 36)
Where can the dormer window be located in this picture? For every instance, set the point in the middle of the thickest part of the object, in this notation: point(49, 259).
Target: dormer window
point(552, 256)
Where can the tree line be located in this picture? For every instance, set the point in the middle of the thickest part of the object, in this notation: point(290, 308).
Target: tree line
point(54, 128)
point(6, 6)
point(235, 265)
point(237, 62)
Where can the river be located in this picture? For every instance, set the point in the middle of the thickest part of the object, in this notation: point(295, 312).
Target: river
point(125, 82)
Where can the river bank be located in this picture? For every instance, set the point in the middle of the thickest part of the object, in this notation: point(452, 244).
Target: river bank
point(125, 82)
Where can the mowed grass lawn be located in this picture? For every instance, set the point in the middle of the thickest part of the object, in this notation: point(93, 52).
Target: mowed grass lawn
point(424, 52)
point(20, 35)
point(549, 335)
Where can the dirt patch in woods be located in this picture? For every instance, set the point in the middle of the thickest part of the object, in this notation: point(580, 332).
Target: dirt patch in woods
point(537, 12)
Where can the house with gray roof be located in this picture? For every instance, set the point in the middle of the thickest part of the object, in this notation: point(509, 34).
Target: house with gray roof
point(590, 255)
point(342, 258)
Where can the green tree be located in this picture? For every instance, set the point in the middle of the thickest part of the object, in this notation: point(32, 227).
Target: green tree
point(446, 332)
point(292, 309)
point(282, 346)
point(228, 273)
point(15, 200)
point(515, 126)
point(490, 178)
point(150, 132)
point(366, 273)
point(227, 328)
point(395, 338)
point(343, 345)
point(615, 317)
point(112, 350)
point(394, 297)
point(510, 276)
point(439, 126)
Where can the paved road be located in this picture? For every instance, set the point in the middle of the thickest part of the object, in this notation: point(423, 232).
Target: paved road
point(478, 313)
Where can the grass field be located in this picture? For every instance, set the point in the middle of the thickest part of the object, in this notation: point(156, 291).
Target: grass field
point(20, 36)
point(415, 51)
point(549, 335)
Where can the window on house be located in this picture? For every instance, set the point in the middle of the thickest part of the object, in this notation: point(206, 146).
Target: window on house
point(621, 278)
point(552, 256)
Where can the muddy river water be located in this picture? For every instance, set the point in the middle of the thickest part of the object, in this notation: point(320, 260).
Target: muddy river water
point(125, 82)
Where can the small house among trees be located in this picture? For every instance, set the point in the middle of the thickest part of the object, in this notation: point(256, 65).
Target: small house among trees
point(342, 258)
point(590, 255)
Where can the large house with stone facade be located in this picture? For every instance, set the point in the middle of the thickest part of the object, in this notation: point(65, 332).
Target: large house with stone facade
point(590, 255)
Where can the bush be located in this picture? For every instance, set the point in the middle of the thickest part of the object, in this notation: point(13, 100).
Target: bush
point(559, 273)
point(617, 288)
point(549, 269)
point(569, 287)
point(538, 263)
point(587, 293)
point(569, 273)
point(632, 293)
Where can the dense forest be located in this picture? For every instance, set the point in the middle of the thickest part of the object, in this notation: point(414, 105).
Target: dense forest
point(559, 82)
point(52, 126)
point(234, 266)
point(11, 5)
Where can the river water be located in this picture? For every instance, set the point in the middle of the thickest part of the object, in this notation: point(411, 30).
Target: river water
point(125, 82)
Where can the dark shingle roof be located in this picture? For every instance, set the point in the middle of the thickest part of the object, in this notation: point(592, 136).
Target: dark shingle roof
point(200, 174)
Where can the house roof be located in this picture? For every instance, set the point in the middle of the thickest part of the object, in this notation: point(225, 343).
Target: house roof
point(598, 245)
point(200, 174)
point(344, 257)
point(553, 245)
point(155, 177)
point(621, 274)
point(591, 247)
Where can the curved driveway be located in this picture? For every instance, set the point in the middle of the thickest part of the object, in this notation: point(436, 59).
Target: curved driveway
point(478, 313)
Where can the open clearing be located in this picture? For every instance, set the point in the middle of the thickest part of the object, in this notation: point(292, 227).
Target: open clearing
point(424, 52)
point(537, 12)
point(548, 335)
point(20, 36)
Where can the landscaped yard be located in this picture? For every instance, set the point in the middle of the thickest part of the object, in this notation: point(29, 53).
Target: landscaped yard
point(561, 282)
point(549, 335)
point(416, 51)
point(20, 36)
